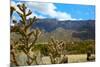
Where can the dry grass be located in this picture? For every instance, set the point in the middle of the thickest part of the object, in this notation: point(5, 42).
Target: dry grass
point(71, 58)
point(77, 58)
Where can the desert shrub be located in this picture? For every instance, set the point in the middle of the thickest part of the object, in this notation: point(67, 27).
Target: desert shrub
point(80, 47)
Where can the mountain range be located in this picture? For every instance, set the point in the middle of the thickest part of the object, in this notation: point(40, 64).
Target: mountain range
point(65, 30)
point(83, 29)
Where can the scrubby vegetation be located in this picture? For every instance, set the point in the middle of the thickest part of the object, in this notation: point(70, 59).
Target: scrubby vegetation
point(81, 47)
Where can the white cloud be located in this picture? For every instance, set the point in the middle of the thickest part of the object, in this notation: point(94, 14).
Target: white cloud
point(50, 10)
point(63, 16)
point(34, 14)
point(46, 9)
point(86, 2)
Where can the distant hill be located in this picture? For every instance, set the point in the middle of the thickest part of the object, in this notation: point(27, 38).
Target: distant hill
point(83, 29)
point(65, 30)
point(51, 24)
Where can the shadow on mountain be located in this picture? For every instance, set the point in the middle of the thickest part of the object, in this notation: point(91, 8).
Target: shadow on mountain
point(85, 32)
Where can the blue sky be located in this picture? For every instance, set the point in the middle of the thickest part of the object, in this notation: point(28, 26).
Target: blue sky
point(78, 11)
point(58, 11)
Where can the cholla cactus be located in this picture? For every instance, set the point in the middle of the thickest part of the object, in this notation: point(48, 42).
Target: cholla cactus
point(26, 33)
point(13, 53)
point(12, 9)
point(56, 49)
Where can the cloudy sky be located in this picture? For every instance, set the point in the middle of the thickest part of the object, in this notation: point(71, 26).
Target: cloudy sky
point(58, 11)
